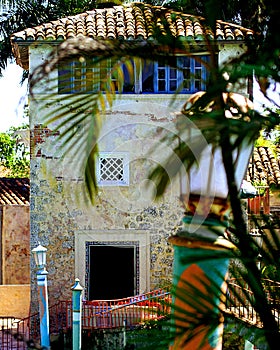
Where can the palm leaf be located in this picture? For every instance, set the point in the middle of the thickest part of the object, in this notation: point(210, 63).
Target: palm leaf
point(121, 54)
point(205, 304)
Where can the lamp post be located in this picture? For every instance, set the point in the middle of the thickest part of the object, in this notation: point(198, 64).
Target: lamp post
point(201, 252)
point(40, 255)
point(77, 290)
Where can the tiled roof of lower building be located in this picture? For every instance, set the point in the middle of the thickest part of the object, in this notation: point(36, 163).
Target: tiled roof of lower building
point(264, 167)
point(134, 21)
point(14, 191)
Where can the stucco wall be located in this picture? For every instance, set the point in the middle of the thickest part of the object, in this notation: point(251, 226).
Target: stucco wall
point(59, 213)
point(134, 125)
point(15, 300)
point(15, 245)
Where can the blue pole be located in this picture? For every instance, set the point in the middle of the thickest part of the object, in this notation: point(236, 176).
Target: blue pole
point(77, 314)
point(43, 307)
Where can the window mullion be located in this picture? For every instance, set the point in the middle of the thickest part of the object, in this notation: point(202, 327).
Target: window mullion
point(180, 75)
point(167, 76)
point(156, 79)
point(138, 75)
point(149, 77)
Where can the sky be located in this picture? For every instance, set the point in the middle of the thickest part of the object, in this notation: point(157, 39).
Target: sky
point(13, 97)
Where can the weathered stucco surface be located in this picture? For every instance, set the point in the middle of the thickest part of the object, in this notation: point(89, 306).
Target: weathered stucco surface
point(15, 245)
point(15, 300)
point(134, 126)
point(59, 213)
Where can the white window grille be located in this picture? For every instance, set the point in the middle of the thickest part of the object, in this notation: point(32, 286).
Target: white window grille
point(113, 169)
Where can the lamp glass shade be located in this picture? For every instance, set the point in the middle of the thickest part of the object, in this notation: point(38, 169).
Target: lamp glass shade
point(40, 256)
point(207, 176)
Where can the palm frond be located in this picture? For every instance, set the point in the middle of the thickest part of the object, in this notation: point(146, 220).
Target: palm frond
point(69, 112)
point(198, 309)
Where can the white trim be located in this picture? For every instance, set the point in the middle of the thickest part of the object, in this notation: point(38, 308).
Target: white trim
point(140, 236)
point(125, 169)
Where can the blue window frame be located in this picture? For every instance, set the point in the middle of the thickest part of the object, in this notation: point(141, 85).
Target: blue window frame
point(85, 77)
point(187, 75)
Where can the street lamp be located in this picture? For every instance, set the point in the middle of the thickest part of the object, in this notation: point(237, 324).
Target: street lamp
point(204, 192)
point(40, 255)
point(204, 189)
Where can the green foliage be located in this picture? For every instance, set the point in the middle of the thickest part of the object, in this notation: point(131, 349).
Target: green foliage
point(150, 335)
point(262, 141)
point(270, 272)
point(233, 341)
point(22, 14)
point(14, 156)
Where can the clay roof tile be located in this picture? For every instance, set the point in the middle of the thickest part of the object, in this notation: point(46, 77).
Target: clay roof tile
point(14, 191)
point(128, 21)
point(264, 166)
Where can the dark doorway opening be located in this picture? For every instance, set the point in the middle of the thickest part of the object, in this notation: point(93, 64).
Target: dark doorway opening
point(111, 272)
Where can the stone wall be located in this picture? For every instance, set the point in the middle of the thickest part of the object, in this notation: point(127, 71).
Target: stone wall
point(275, 199)
point(53, 226)
point(61, 255)
point(59, 211)
point(56, 220)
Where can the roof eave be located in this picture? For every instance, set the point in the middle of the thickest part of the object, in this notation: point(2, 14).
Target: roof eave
point(21, 48)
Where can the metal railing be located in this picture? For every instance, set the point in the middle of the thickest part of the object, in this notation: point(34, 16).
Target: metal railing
point(132, 311)
point(129, 311)
point(9, 334)
point(96, 314)
point(240, 300)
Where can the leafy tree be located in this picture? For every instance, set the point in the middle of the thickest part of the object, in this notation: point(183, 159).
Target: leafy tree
point(17, 15)
point(14, 156)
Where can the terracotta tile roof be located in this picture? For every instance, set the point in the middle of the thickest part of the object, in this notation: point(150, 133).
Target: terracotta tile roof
point(126, 22)
point(264, 166)
point(14, 191)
